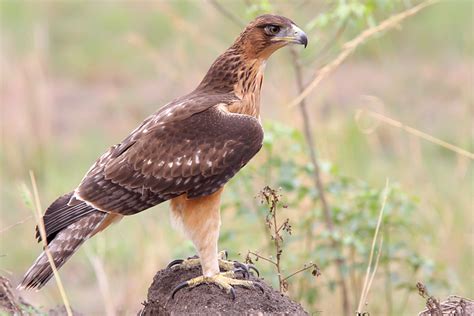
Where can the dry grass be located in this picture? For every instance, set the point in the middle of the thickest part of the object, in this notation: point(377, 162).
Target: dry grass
point(370, 273)
point(415, 132)
point(40, 223)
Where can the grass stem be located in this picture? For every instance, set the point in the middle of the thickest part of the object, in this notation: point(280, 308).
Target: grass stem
point(39, 220)
point(370, 273)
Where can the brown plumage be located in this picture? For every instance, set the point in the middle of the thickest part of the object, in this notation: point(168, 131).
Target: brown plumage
point(185, 152)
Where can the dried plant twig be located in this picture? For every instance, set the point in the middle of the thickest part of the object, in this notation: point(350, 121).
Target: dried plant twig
point(349, 47)
point(272, 198)
point(259, 257)
point(432, 303)
point(314, 272)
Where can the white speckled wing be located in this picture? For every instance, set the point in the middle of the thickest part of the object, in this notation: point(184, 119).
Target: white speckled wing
point(194, 154)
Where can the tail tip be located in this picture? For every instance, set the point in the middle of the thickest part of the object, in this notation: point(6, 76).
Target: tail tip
point(23, 286)
point(20, 287)
point(29, 287)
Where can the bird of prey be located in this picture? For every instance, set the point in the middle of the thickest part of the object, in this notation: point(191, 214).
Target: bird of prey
point(185, 153)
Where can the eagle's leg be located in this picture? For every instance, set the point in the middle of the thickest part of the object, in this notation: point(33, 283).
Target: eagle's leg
point(200, 219)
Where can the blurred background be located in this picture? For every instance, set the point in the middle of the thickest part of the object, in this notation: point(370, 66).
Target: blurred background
point(78, 76)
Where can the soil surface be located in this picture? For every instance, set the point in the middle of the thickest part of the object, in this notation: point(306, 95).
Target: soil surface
point(13, 304)
point(211, 300)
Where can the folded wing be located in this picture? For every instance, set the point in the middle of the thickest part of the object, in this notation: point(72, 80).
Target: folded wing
point(195, 156)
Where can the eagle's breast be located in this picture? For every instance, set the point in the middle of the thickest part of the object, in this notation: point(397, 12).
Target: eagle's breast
point(248, 88)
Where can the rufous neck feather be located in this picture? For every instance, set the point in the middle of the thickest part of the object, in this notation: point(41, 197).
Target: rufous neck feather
point(234, 72)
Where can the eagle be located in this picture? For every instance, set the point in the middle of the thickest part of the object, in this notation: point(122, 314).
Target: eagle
point(184, 153)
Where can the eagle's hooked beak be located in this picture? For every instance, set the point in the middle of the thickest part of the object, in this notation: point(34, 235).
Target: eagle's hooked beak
point(293, 35)
point(299, 36)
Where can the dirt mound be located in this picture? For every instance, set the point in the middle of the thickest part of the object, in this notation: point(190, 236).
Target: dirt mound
point(13, 304)
point(211, 300)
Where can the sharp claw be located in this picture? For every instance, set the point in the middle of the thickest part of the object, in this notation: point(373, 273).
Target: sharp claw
point(252, 267)
point(259, 286)
point(246, 267)
point(239, 265)
point(232, 292)
point(245, 273)
point(236, 270)
point(226, 254)
point(193, 257)
point(179, 287)
point(174, 262)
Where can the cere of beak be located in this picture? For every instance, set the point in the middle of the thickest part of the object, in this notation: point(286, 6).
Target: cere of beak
point(299, 35)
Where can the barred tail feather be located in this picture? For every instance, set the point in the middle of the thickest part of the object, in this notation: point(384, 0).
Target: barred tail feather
point(61, 248)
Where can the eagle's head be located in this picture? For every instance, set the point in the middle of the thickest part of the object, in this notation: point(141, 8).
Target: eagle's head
point(267, 33)
point(243, 63)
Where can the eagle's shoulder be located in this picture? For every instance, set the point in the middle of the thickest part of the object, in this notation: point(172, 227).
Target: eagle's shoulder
point(191, 104)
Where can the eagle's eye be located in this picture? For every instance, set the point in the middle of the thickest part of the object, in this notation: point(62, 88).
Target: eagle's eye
point(272, 29)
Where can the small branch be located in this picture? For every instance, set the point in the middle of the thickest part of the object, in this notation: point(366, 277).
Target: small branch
point(312, 265)
point(277, 239)
point(261, 257)
point(284, 225)
point(432, 303)
point(350, 47)
point(272, 198)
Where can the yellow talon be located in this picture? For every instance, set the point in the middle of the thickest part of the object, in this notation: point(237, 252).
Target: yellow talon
point(225, 280)
point(224, 264)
